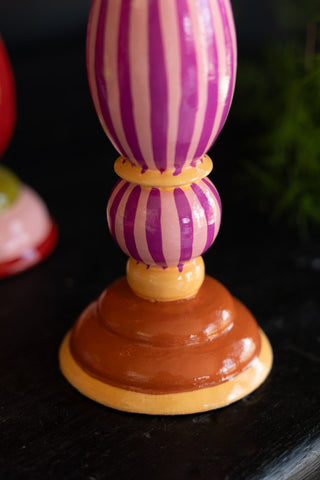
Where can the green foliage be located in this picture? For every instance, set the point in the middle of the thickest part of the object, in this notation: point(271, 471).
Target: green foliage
point(283, 101)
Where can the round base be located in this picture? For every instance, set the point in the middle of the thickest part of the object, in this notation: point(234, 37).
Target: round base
point(166, 358)
point(199, 400)
point(32, 256)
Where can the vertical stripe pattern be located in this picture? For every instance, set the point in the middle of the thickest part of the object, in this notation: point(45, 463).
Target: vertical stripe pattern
point(97, 78)
point(126, 100)
point(189, 84)
point(185, 224)
point(166, 114)
point(129, 220)
point(158, 88)
point(153, 226)
point(209, 213)
point(164, 227)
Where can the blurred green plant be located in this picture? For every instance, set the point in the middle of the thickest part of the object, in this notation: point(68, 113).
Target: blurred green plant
point(282, 95)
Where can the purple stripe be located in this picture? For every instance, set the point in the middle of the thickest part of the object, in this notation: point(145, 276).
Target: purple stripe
point(158, 88)
point(126, 103)
point(153, 227)
point(207, 182)
point(114, 207)
point(230, 61)
point(189, 85)
point(213, 76)
point(209, 213)
point(100, 77)
point(129, 220)
point(186, 224)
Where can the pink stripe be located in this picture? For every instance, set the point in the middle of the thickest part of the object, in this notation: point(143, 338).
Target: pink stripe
point(198, 27)
point(212, 79)
point(222, 68)
point(112, 211)
point(153, 226)
point(170, 228)
point(114, 191)
point(140, 228)
point(199, 223)
point(100, 78)
point(123, 66)
point(186, 225)
point(209, 206)
point(230, 61)
point(129, 220)
point(111, 72)
point(139, 79)
point(170, 35)
point(189, 85)
point(206, 183)
point(119, 230)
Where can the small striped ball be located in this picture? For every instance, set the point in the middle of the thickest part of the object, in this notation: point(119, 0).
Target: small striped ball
point(162, 76)
point(164, 227)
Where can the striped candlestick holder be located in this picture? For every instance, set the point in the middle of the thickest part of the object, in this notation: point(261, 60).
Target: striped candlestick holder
point(166, 339)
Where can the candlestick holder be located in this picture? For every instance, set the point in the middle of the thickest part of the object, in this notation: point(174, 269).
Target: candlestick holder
point(27, 232)
point(167, 339)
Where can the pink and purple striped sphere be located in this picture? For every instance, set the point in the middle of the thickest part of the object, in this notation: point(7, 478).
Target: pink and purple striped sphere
point(165, 228)
point(162, 76)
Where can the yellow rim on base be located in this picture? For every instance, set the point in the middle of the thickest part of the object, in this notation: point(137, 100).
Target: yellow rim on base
point(200, 400)
point(166, 179)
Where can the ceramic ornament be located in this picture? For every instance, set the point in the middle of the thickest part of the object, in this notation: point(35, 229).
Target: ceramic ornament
point(165, 339)
point(27, 232)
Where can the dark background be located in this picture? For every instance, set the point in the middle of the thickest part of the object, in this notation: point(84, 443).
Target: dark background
point(33, 20)
point(50, 431)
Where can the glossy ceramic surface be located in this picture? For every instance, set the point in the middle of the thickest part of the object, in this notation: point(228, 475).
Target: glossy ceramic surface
point(165, 347)
point(167, 179)
point(167, 339)
point(186, 402)
point(164, 227)
point(162, 76)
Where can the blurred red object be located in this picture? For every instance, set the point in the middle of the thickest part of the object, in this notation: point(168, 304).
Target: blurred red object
point(7, 100)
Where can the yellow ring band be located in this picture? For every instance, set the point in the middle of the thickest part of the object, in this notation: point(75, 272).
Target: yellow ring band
point(167, 179)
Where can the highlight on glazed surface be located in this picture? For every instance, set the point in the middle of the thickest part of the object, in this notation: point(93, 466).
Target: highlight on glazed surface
point(198, 400)
point(162, 76)
point(166, 339)
point(164, 227)
point(165, 347)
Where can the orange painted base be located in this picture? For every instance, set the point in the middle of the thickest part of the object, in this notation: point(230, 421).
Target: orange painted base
point(166, 357)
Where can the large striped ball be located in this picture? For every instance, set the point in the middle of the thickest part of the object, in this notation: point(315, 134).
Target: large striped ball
point(164, 227)
point(162, 76)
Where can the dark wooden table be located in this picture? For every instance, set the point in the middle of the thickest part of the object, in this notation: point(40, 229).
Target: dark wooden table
point(48, 430)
